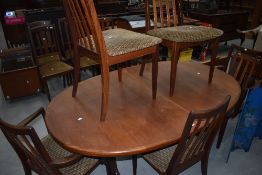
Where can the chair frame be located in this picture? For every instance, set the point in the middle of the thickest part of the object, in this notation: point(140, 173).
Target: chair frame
point(33, 25)
point(38, 26)
point(202, 125)
point(175, 46)
point(31, 151)
point(91, 27)
point(248, 62)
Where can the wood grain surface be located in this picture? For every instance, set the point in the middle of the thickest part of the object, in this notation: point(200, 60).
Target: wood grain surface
point(136, 123)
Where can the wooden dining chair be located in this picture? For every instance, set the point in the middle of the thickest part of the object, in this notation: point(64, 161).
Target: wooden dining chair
point(108, 48)
point(196, 141)
point(244, 65)
point(165, 17)
point(44, 156)
point(46, 52)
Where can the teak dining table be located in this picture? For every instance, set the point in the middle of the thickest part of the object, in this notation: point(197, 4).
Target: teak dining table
point(136, 123)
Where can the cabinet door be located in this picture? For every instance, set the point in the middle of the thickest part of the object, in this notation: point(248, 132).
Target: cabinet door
point(20, 82)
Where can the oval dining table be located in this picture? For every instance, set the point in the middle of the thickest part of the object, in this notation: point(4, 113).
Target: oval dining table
point(135, 122)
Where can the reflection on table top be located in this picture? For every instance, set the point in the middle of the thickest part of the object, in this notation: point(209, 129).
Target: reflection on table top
point(135, 123)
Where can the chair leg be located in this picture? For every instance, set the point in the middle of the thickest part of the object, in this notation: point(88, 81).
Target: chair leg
point(71, 78)
point(119, 70)
point(93, 70)
point(105, 91)
point(155, 57)
point(134, 162)
point(214, 47)
point(76, 77)
point(64, 80)
point(221, 132)
point(174, 62)
point(27, 170)
point(46, 89)
point(111, 166)
point(142, 68)
point(26, 167)
point(204, 164)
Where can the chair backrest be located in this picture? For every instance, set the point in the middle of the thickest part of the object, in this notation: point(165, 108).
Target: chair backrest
point(44, 40)
point(29, 147)
point(38, 23)
point(64, 32)
point(85, 28)
point(166, 13)
point(197, 137)
point(243, 64)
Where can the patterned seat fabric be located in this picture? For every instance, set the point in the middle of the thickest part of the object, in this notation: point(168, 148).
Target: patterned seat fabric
point(186, 33)
point(56, 152)
point(161, 159)
point(120, 41)
point(44, 59)
point(85, 62)
point(54, 68)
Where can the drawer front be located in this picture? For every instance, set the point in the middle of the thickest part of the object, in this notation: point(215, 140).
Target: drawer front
point(21, 82)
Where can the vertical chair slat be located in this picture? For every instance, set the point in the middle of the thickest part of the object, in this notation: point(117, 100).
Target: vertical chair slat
point(155, 14)
point(161, 13)
point(236, 74)
point(83, 23)
point(168, 13)
point(90, 22)
point(174, 12)
point(75, 11)
point(244, 67)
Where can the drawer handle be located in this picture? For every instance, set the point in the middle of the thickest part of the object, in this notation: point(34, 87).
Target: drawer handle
point(27, 82)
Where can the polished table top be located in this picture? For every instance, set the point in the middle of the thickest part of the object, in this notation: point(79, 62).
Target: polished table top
point(135, 123)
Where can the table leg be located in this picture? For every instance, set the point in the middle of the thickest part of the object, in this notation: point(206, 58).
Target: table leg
point(111, 166)
point(214, 47)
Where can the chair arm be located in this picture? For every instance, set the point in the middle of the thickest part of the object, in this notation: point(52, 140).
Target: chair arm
point(33, 116)
point(66, 161)
point(254, 30)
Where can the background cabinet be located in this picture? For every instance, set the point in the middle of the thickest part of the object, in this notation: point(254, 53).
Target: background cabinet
point(228, 21)
point(19, 76)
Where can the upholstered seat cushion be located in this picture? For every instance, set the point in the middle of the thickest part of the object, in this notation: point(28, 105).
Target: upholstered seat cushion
point(54, 68)
point(120, 41)
point(47, 58)
point(186, 33)
point(55, 151)
point(86, 62)
point(161, 159)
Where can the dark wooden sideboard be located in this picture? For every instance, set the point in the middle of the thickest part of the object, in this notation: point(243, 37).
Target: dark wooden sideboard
point(228, 21)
